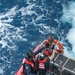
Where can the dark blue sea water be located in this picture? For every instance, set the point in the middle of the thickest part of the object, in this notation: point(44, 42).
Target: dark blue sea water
point(26, 23)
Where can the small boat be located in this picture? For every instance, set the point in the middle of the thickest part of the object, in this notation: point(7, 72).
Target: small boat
point(61, 65)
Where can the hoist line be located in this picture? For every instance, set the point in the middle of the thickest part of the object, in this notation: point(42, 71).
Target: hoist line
point(50, 16)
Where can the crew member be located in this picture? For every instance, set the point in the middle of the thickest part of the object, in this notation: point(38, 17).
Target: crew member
point(52, 43)
point(43, 63)
point(48, 46)
point(29, 63)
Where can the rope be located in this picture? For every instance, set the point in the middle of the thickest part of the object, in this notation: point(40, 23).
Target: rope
point(50, 17)
point(51, 27)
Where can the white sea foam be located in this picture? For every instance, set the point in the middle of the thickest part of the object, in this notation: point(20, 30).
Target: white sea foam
point(1, 71)
point(8, 16)
point(9, 36)
point(69, 16)
point(27, 11)
point(6, 34)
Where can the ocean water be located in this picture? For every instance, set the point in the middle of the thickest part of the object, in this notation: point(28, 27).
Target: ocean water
point(26, 23)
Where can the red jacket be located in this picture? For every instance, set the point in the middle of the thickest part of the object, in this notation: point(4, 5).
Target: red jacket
point(41, 64)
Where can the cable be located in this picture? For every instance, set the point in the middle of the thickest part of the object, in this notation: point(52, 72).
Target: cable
point(51, 17)
point(51, 27)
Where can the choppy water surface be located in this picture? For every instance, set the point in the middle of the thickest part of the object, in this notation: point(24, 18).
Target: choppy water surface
point(26, 23)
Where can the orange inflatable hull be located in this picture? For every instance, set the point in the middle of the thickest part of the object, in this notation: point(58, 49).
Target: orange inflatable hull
point(20, 71)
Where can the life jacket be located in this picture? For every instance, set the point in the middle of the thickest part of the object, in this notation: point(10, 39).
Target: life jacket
point(41, 64)
point(60, 46)
point(58, 43)
point(47, 52)
point(21, 70)
point(30, 63)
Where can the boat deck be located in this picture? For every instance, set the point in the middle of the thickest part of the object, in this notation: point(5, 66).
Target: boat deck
point(62, 65)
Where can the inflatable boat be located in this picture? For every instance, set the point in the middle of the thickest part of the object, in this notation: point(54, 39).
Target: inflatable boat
point(61, 65)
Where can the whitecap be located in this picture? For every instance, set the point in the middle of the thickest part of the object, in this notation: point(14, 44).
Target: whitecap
point(69, 17)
